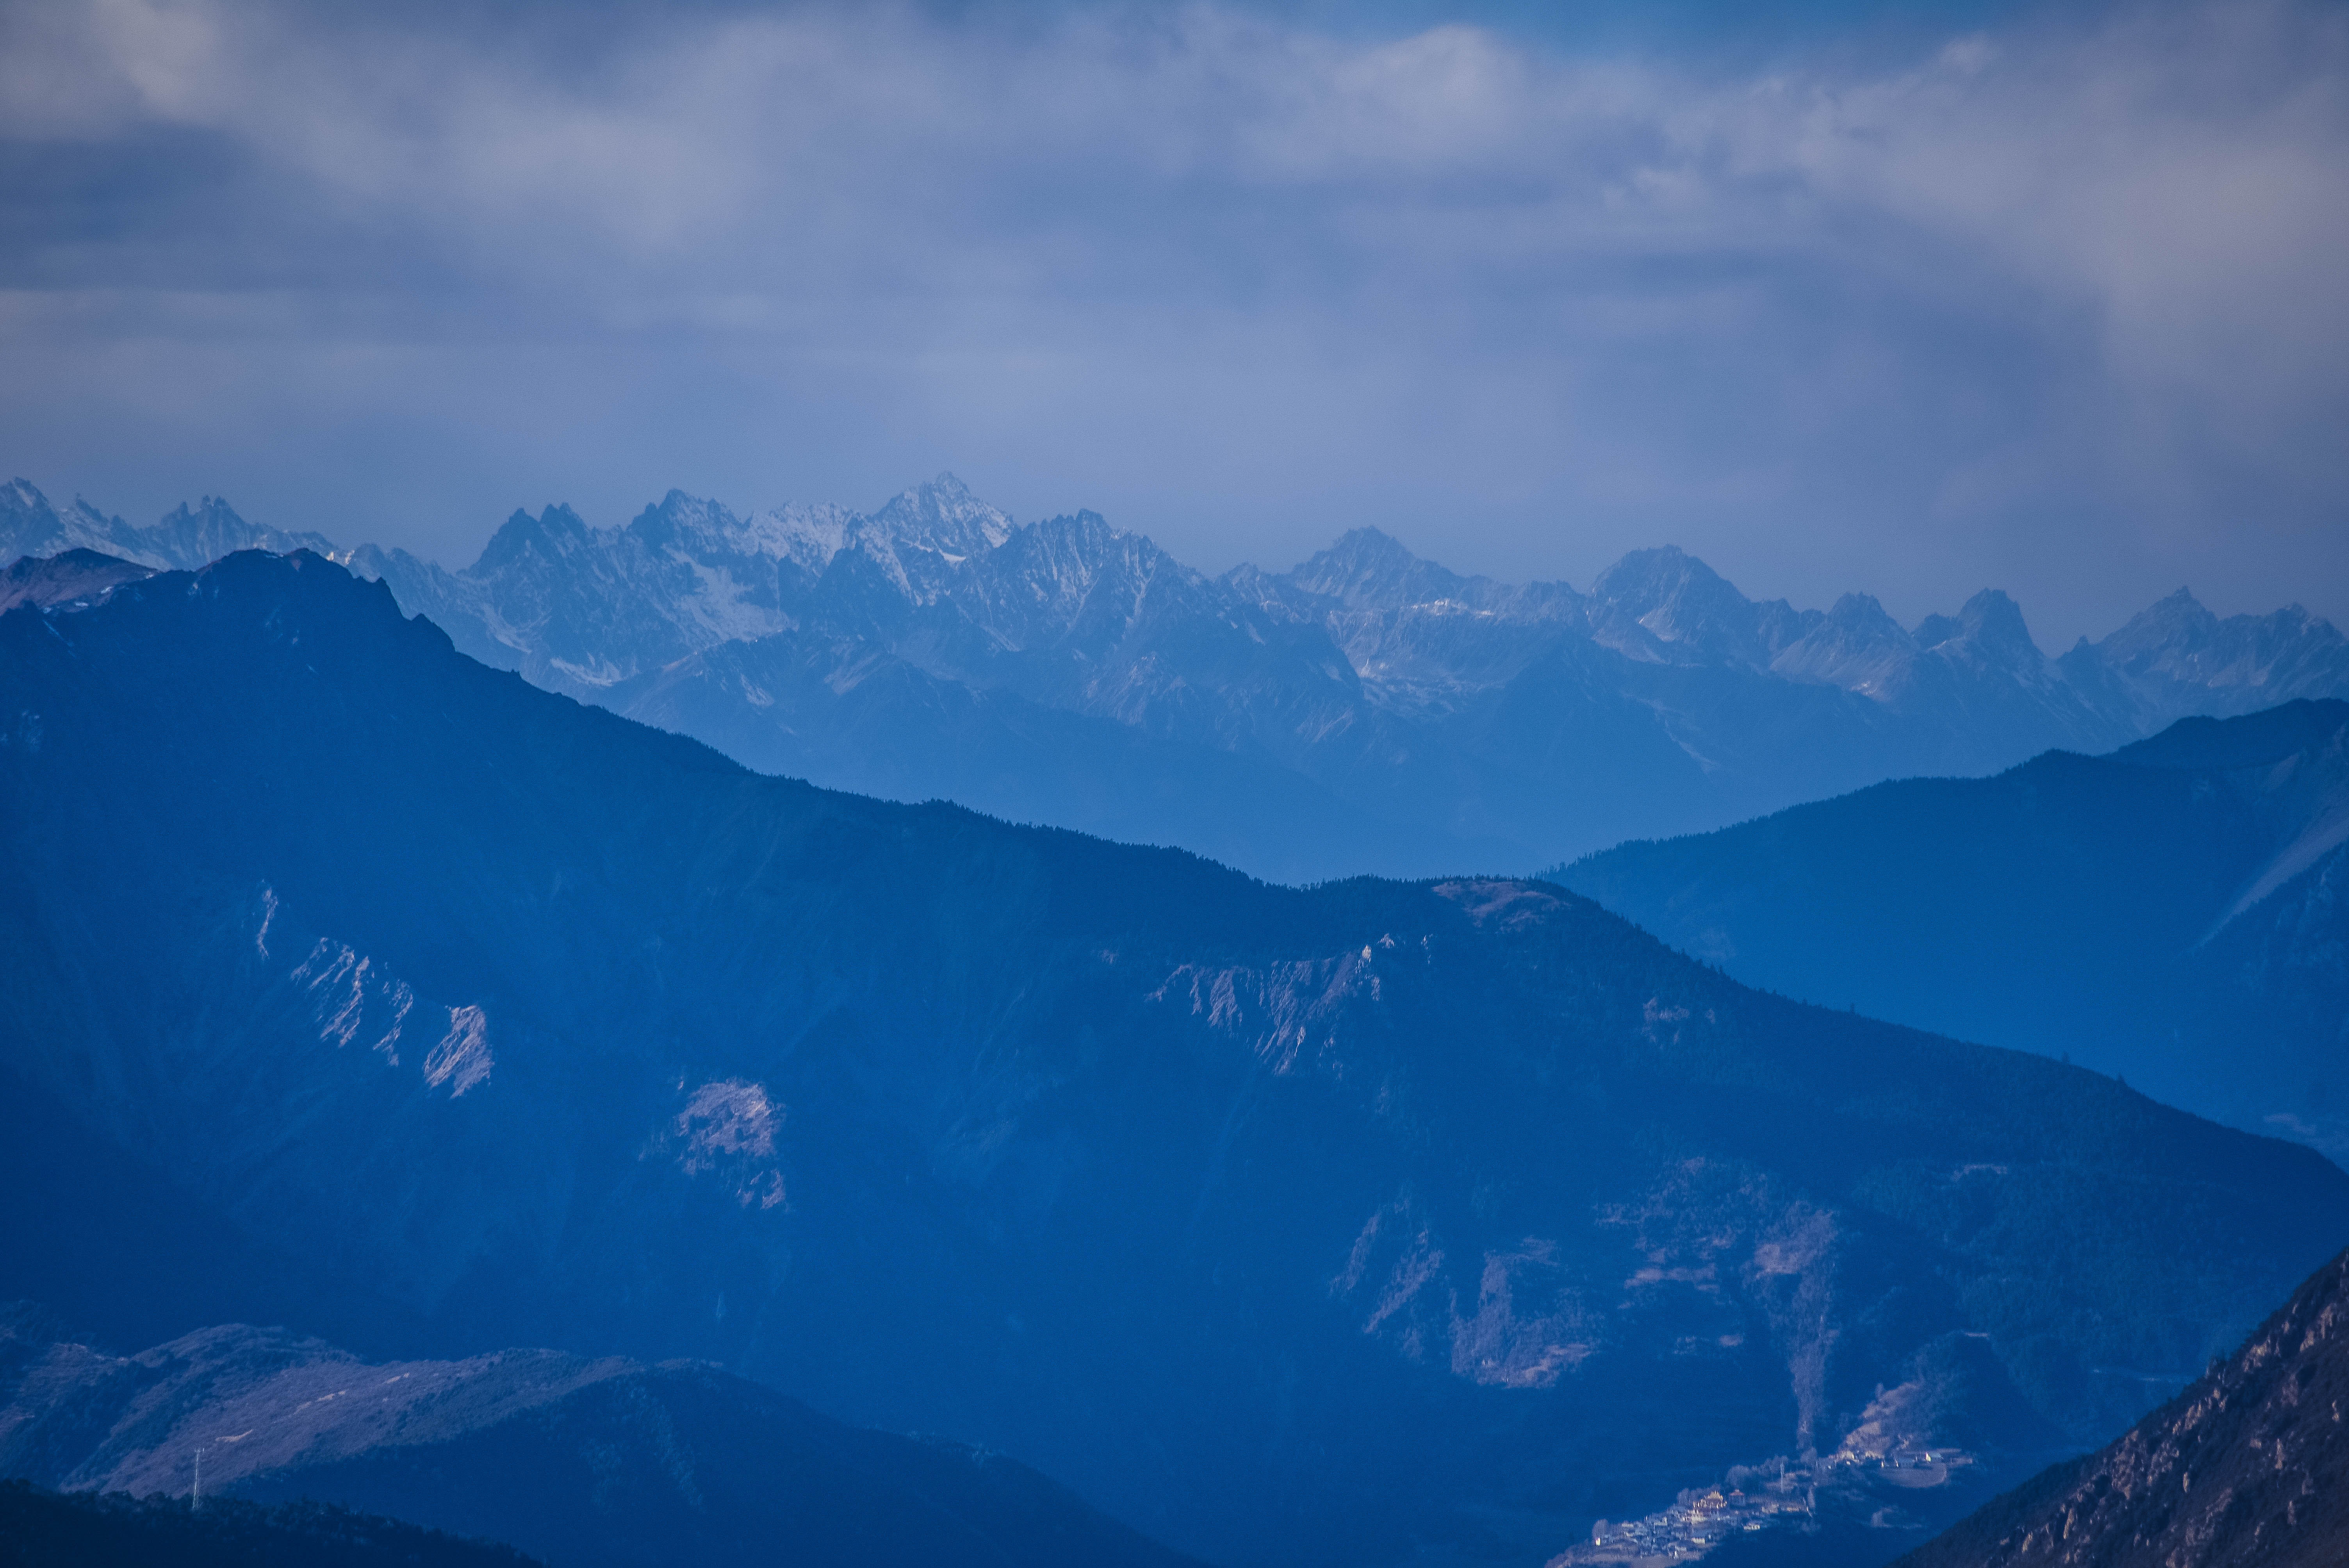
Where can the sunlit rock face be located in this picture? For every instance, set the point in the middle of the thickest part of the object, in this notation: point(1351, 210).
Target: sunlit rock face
point(1289, 1225)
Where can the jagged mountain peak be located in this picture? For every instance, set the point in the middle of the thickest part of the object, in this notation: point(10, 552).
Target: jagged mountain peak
point(941, 514)
point(186, 536)
point(1992, 612)
point(2179, 642)
point(920, 538)
point(1084, 546)
point(1856, 646)
point(1994, 634)
point(28, 523)
point(1073, 575)
point(554, 532)
point(210, 506)
point(679, 515)
point(1368, 569)
point(31, 525)
point(1989, 627)
point(1643, 579)
point(807, 533)
point(1368, 544)
point(1864, 612)
point(1679, 599)
point(2174, 619)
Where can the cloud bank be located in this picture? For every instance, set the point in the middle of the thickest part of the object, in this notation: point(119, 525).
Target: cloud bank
point(2059, 304)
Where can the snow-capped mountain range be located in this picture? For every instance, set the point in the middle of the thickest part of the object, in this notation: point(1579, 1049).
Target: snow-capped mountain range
point(1365, 711)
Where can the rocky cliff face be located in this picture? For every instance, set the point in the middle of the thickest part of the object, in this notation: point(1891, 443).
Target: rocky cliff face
point(1289, 1225)
point(1367, 711)
point(2249, 1466)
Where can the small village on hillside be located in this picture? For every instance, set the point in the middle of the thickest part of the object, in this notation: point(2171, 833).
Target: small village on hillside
point(1781, 1494)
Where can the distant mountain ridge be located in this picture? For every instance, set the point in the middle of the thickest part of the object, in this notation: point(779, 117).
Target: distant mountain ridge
point(185, 537)
point(1345, 1225)
point(1367, 710)
point(2177, 910)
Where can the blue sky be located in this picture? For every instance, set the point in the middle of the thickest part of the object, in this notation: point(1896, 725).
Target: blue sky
point(1907, 298)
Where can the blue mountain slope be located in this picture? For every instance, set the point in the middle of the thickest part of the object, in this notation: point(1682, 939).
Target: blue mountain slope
point(2173, 911)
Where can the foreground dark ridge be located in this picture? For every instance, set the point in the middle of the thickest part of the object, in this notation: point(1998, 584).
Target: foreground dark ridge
point(602, 1463)
point(41, 1529)
point(2177, 912)
point(1296, 1226)
point(2248, 1468)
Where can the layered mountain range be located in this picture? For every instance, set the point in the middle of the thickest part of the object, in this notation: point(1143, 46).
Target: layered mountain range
point(1301, 1226)
point(578, 1461)
point(1366, 711)
point(2177, 912)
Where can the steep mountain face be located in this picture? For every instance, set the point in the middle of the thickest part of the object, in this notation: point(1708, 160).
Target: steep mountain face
point(1289, 1225)
point(1367, 711)
point(2248, 1467)
point(2177, 912)
point(579, 1462)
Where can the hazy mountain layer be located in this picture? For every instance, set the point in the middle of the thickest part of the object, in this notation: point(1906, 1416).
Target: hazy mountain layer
point(1295, 1226)
point(582, 1463)
point(1367, 711)
point(2177, 912)
point(2248, 1468)
point(186, 537)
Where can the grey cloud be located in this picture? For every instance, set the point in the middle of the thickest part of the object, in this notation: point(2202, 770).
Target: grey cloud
point(2056, 306)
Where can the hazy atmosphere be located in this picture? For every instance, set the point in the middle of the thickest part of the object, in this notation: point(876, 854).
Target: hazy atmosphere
point(1489, 784)
point(1911, 300)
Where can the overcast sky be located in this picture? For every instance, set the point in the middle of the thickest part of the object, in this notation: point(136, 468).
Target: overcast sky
point(1907, 298)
